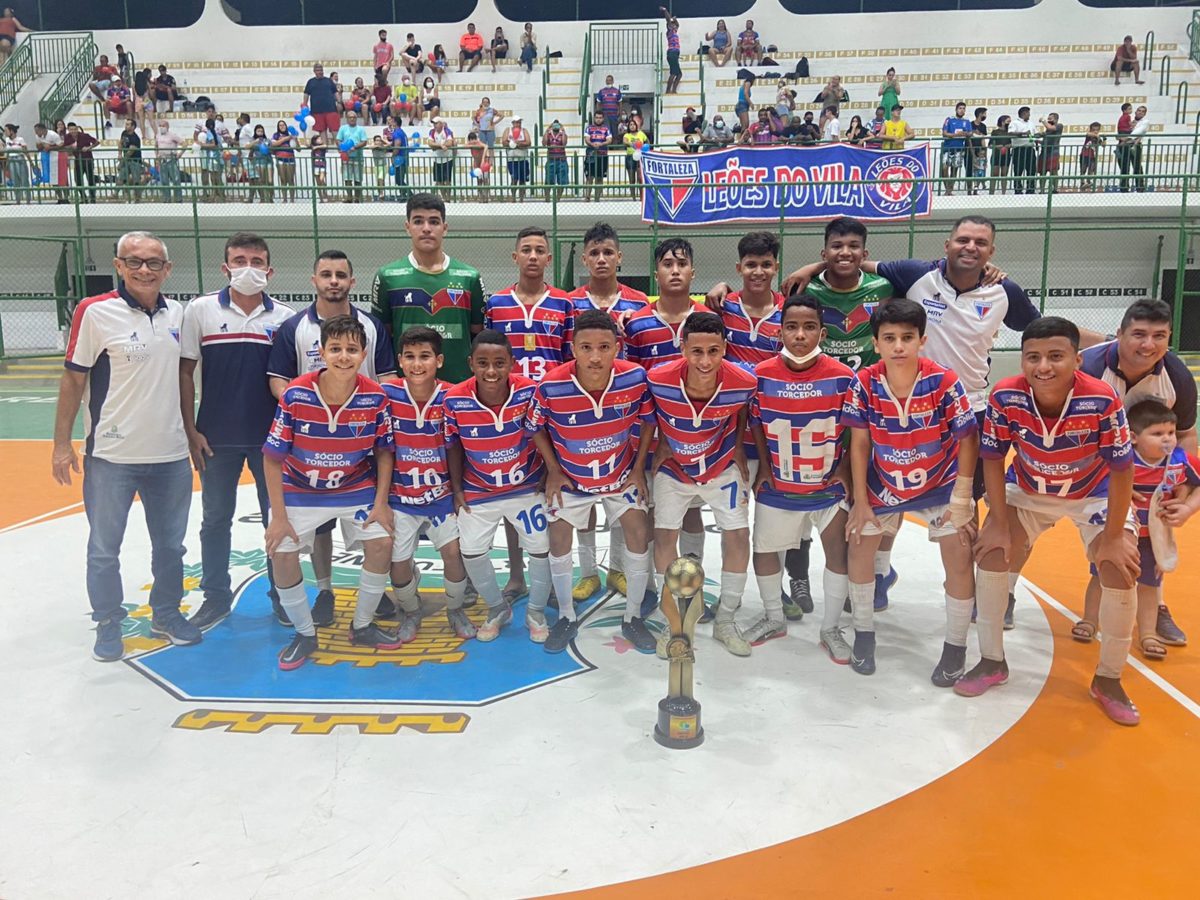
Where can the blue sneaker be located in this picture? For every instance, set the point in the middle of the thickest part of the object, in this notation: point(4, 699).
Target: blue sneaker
point(884, 583)
point(176, 629)
point(109, 646)
point(649, 603)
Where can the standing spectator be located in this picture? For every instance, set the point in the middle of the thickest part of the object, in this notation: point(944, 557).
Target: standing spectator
point(555, 142)
point(761, 133)
point(889, 91)
point(235, 170)
point(875, 128)
point(470, 48)
point(718, 134)
point(977, 149)
point(119, 102)
point(674, 72)
point(749, 48)
point(481, 164)
point(1023, 155)
point(437, 62)
point(16, 158)
point(259, 171)
point(831, 128)
point(351, 139)
point(431, 102)
point(381, 96)
point(441, 141)
point(1130, 129)
point(123, 357)
point(320, 97)
point(236, 406)
point(785, 101)
point(79, 144)
point(498, 48)
point(744, 101)
point(1126, 60)
point(410, 56)
point(596, 138)
point(528, 47)
point(895, 130)
point(1051, 138)
point(208, 138)
point(9, 26)
point(486, 119)
point(143, 102)
point(1001, 153)
point(517, 141)
point(165, 91)
point(609, 97)
point(720, 44)
point(338, 94)
point(955, 131)
point(383, 55)
point(1092, 142)
point(395, 136)
point(635, 140)
point(857, 134)
point(169, 147)
point(102, 75)
point(131, 171)
point(50, 143)
point(320, 163)
point(833, 94)
point(380, 157)
point(124, 62)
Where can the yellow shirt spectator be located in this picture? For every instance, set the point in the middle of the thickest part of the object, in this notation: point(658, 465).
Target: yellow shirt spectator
point(894, 132)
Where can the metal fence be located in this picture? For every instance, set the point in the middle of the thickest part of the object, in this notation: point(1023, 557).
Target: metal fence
point(624, 43)
point(1077, 254)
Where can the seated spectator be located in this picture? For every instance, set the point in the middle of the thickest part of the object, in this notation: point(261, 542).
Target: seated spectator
point(360, 97)
point(9, 26)
point(165, 91)
point(437, 61)
point(119, 102)
point(499, 48)
point(383, 54)
point(410, 55)
point(470, 48)
point(749, 49)
point(808, 131)
point(431, 102)
point(761, 132)
point(857, 134)
point(528, 49)
point(831, 128)
point(692, 123)
point(406, 102)
point(718, 134)
point(102, 75)
point(720, 44)
point(785, 101)
point(381, 96)
point(1126, 60)
point(609, 99)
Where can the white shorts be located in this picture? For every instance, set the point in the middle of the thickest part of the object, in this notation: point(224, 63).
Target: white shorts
point(527, 513)
point(727, 496)
point(889, 523)
point(1038, 513)
point(305, 520)
point(777, 530)
point(576, 509)
point(408, 528)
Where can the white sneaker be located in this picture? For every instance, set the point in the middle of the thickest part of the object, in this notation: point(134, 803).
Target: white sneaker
point(490, 630)
point(535, 621)
point(727, 633)
point(835, 645)
point(765, 629)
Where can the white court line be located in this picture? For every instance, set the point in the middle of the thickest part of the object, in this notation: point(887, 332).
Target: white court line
point(1153, 677)
point(53, 512)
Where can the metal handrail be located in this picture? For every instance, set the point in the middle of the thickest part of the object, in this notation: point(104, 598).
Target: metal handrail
point(1181, 101)
point(703, 98)
point(585, 78)
point(1148, 49)
point(1194, 36)
point(64, 92)
point(658, 90)
point(18, 71)
point(542, 101)
point(1164, 77)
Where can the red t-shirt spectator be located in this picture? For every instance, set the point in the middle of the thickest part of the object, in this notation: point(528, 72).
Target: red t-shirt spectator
point(82, 141)
point(103, 73)
point(1125, 124)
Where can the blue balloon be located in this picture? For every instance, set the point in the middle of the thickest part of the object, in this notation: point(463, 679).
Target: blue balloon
point(304, 111)
point(346, 145)
point(415, 136)
point(264, 148)
point(303, 127)
point(292, 129)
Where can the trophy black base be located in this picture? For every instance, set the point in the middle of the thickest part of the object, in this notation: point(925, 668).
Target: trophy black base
point(679, 723)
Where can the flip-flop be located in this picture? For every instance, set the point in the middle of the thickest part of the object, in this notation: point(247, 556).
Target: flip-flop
point(511, 596)
point(1153, 648)
point(1083, 631)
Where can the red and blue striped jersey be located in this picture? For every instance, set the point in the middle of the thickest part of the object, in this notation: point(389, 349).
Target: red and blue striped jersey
point(327, 454)
point(750, 341)
point(499, 459)
point(649, 341)
point(420, 479)
point(800, 414)
point(628, 301)
point(595, 438)
point(1179, 468)
point(914, 440)
point(1069, 457)
point(703, 438)
point(540, 334)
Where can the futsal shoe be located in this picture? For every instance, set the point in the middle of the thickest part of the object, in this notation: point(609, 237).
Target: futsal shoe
point(616, 581)
point(798, 600)
point(280, 613)
point(862, 657)
point(1009, 625)
point(585, 587)
point(209, 614)
point(109, 647)
point(497, 619)
point(1168, 632)
point(535, 622)
point(322, 611)
point(987, 674)
point(374, 636)
point(561, 634)
point(1114, 701)
point(636, 632)
point(649, 603)
point(731, 638)
point(883, 584)
point(386, 608)
point(460, 624)
point(297, 652)
point(710, 613)
point(951, 667)
point(175, 628)
point(470, 596)
point(835, 645)
point(765, 629)
point(410, 623)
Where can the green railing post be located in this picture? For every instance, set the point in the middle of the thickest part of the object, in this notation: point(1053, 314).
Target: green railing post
point(196, 238)
point(554, 232)
point(1180, 265)
point(316, 229)
point(1046, 237)
point(1148, 50)
point(1157, 281)
point(1164, 77)
point(1181, 101)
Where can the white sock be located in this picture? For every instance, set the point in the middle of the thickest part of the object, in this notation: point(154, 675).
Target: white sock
point(991, 600)
point(456, 592)
point(692, 543)
point(483, 576)
point(862, 605)
point(325, 584)
point(658, 581)
point(769, 587)
point(637, 573)
point(406, 595)
point(618, 557)
point(1013, 578)
point(370, 588)
point(836, 589)
point(587, 554)
point(958, 620)
point(1118, 611)
point(294, 600)
point(883, 562)
point(733, 585)
point(560, 575)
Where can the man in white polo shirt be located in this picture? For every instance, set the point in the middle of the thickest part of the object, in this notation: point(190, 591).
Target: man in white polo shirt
point(123, 361)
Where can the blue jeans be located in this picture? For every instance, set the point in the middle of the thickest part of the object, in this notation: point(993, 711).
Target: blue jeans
point(528, 55)
point(556, 171)
point(108, 490)
point(218, 497)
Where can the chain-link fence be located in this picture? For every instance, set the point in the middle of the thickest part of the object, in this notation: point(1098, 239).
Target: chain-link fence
point(1077, 253)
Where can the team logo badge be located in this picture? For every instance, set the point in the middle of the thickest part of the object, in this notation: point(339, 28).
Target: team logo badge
point(270, 331)
point(982, 308)
point(174, 334)
point(674, 178)
point(449, 298)
point(897, 188)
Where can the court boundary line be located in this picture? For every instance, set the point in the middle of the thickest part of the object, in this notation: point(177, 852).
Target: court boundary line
point(36, 519)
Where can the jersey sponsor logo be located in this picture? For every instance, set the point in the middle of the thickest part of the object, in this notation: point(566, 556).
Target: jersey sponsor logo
point(224, 327)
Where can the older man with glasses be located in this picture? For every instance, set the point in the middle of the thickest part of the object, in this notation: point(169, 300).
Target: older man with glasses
point(122, 360)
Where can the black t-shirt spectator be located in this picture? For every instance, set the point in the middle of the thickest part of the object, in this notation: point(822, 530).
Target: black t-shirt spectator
point(131, 145)
point(414, 51)
point(163, 86)
point(978, 133)
point(322, 95)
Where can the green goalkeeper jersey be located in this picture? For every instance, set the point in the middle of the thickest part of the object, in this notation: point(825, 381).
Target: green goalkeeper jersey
point(449, 302)
point(847, 318)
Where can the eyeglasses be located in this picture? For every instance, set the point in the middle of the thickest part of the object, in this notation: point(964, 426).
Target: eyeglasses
point(135, 263)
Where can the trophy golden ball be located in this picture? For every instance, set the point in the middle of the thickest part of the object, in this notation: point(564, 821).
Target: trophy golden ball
point(684, 577)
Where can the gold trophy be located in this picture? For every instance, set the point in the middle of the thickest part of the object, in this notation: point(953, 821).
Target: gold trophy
point(682, 603)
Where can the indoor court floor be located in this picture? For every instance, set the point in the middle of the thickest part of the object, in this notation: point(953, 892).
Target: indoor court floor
point(451, 769)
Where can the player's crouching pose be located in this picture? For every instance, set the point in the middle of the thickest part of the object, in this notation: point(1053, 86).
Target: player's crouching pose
point(912, 433)
point(701, 404)
point(1073, 460)
point(795, 418)
point(495, 476)
point(329, 456)
point(421, 493)
point(593, 421)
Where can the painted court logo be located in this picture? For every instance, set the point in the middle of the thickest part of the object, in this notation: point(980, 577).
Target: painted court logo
point(897, 176)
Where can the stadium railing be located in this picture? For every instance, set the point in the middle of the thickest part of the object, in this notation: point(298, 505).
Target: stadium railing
point(585, 80)
point(39, 54)
point(78, 54)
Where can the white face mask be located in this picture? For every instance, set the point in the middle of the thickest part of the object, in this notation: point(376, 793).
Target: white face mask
point(248, 280)
point(800, 360)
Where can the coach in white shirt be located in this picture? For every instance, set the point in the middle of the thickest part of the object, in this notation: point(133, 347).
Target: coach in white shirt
point(122, 361)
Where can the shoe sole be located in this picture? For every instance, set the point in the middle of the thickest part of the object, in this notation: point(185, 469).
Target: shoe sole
point(860, 667)
point(840, 662)
point(174, 640)
point(381, 646)
point(768, 637)
point(96, 656)
point(291, 667)
point(967, 692)
point(1101, 702)
point(948, 681)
